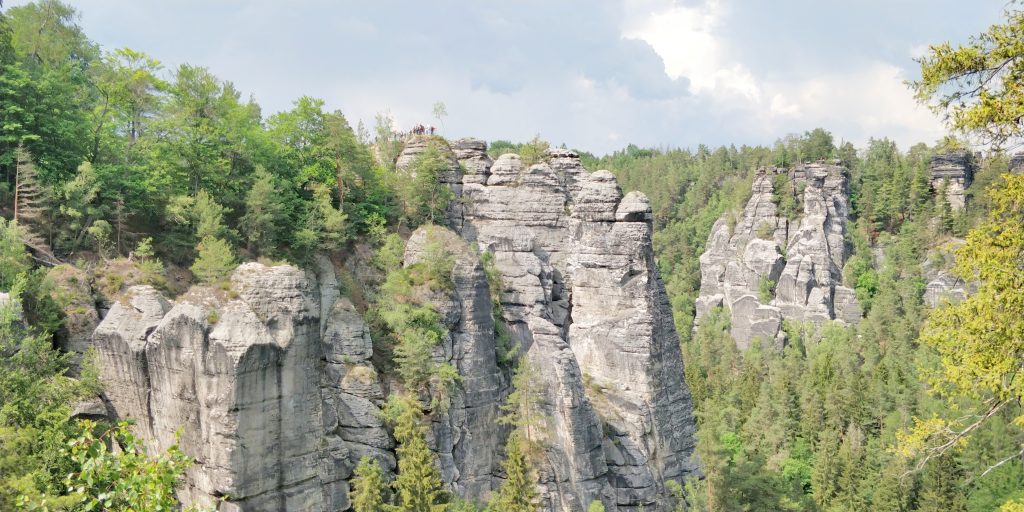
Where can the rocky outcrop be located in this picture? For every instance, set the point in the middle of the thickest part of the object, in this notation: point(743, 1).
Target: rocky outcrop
point(276, 391)
point(1016, 164)
point(943, 285)
point(954, 171)
point(274, 401)
point(465, 434)
point(72, 291)
point(584, 301)
point(472, 154)
point(767, 268)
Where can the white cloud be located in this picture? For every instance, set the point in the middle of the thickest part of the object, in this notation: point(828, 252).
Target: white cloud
point(864, 98)
point(686, 39)
point(868, 101)
point(781, 106)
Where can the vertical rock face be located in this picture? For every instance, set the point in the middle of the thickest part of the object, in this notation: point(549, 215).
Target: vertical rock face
point(466, 435)
point(73, 292)
point(274, 404)
point(954, 171)
point(582, 295)
point(943, 285)
point(768, 268)
point(272, 386)
point(1017, 163)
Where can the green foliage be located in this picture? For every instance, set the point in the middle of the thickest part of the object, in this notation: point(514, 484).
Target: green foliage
point(765, 290)
point(859, 272)
point(151, 267)
point(150, 145)
point(980, 341)
point(41, 88)
point(215, 261)
point(504, 350)
point(405, 315)
point(325, 226)
point(424, 197)
point(367, 493)
point(523, 408)
point(976, 86)
point(208, 217)
point(595, 506)
point(533, 152)
point(784, 195)
point(418, 486)
point(78, 208)
point(125, 479)
point(264, 213)
point(440, 110)
point(678, 493)
point(14, 259)
point(940, 487)
point(389, 256)
point(765, 231)
point(518, 492)
point(48, 462)
point(35, 402)
point(816, 145)
point(808, 428)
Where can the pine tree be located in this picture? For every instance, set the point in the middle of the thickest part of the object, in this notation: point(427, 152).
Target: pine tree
point(367, 494)
point(518, 493)
point(263, 213)
point(940, 486)
point(215, 260)
point(209, 217)
point(325, 226)
point(522, 407)
point(29, 204)
point(418, 486)
point(825, 473)
point(14, 260)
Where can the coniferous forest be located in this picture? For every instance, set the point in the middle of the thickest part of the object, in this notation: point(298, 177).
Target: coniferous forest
point(118, 171)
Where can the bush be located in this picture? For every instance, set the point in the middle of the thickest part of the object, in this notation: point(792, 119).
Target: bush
point(784, 196)
point(765, 231)
point(765, 290)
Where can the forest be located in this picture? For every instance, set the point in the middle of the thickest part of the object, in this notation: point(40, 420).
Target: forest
point(131, 173)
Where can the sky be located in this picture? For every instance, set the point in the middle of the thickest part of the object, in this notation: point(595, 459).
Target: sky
point(595, 75)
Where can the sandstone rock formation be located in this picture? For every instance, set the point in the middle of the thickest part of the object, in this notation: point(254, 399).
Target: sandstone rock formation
point(954, 171)
point(583, 298)
point(1017, 163)
point(274, 401)
point(943, 285)
point(73, 292)
point(767, 268)
point(273, 384)
point(466, 435)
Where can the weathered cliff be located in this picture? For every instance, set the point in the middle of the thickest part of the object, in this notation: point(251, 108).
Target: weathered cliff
point(953, 173)
point(584, 301)
point(767, 268)
point(273, 385)
point(268, 384)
